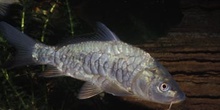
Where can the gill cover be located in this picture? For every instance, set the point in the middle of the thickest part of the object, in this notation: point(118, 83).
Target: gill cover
point(156, 84)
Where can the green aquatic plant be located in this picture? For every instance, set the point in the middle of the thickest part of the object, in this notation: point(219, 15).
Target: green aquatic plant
point(13, 88)
point(70, 18)
point(47, 21)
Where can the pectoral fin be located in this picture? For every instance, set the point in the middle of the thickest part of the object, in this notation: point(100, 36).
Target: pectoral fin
point(89, 90)
point(115, 89)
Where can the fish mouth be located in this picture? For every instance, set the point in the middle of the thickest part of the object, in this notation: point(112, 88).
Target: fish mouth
point(178, 98)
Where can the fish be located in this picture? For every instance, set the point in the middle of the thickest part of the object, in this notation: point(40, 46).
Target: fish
point(4, 4)
point(102, 61)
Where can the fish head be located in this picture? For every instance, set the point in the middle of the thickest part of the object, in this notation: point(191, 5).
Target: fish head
point(157, 85)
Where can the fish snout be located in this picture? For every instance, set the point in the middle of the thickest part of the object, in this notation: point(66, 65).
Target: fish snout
point(179, 97)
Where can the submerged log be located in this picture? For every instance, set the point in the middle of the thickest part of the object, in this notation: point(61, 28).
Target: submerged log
point(193, 59)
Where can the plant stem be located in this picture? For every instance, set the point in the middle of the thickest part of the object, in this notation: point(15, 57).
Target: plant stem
point(23, 17)
point(46, 22)
point(32, 92)
point(11, 85)
point(70, 18)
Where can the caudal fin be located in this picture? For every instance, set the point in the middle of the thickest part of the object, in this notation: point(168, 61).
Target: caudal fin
point(4, 5)
point(3, 9)
point(23, 44)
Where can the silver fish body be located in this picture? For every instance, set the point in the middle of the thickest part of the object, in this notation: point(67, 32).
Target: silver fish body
point(115, 60)
point(106, 65)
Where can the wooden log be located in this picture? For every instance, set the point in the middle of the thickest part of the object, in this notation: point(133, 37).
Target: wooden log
point(194, 61)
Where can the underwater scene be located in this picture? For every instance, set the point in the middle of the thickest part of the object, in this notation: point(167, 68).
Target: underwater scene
point(105, 55)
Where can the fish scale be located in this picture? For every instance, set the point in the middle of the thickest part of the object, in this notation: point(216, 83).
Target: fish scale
point(92, 62)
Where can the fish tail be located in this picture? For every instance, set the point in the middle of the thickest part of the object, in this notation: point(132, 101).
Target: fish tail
point(4, 5)
point(3, 8)
point(23, 44)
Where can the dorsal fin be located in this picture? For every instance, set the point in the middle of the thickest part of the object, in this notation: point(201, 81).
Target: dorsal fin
point(102, 33)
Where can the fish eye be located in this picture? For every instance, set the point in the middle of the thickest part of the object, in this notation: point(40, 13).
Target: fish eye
point(164, 87)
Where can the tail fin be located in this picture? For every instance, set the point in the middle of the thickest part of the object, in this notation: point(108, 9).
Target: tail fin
point(3, 8)
point(21, 42)
point(4, 4)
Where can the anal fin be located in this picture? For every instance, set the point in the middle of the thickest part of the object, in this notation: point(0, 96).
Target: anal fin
point(52, 71)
